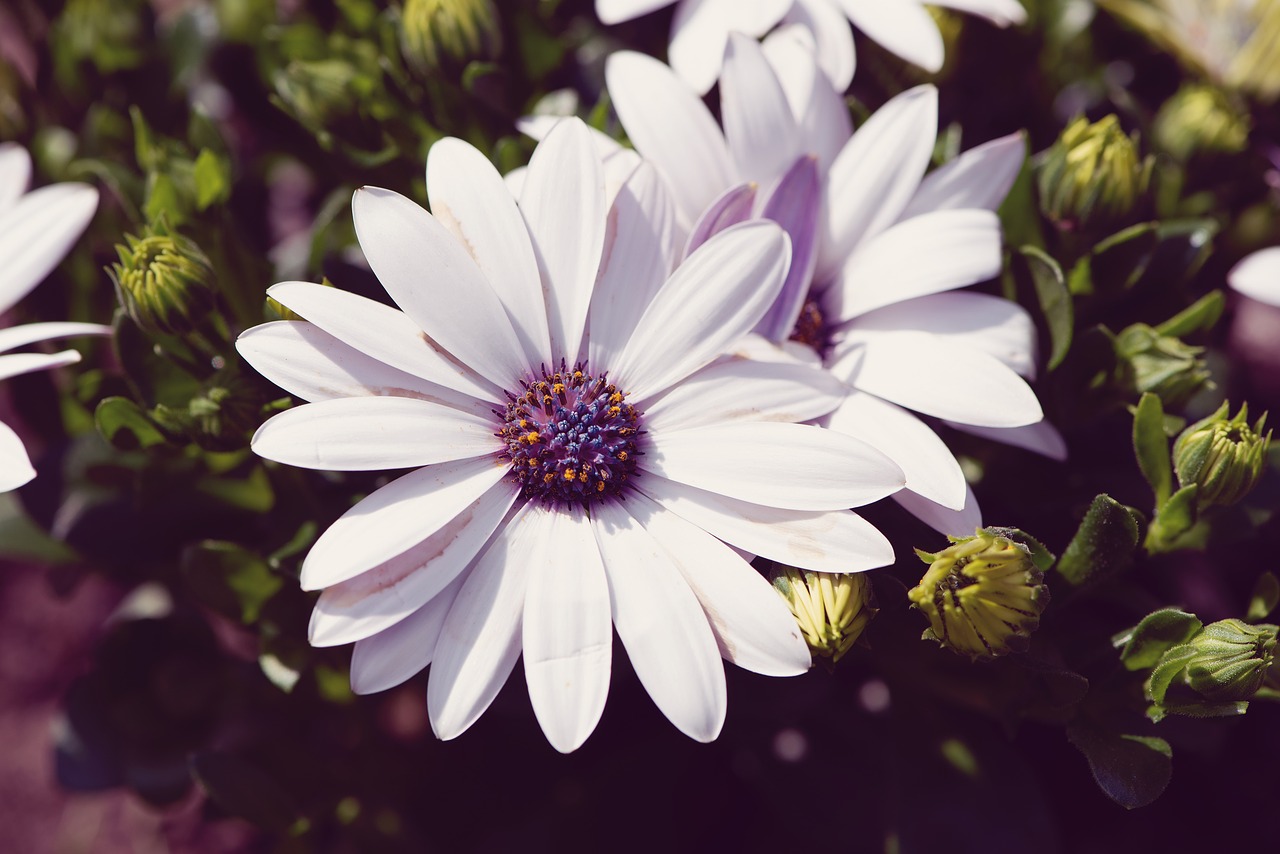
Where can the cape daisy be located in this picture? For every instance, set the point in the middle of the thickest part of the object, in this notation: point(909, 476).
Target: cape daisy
point(585, 450)
point(37, 229)
point(700, 29)
point(879, 248)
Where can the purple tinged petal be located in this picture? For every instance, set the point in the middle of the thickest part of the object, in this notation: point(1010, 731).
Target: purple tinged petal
point(733, 206)
point(794, 204)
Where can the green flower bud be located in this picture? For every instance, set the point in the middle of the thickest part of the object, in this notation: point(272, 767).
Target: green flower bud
point(1162, 364)
point(220, 417)
point(1092, 174)
point(437, 33)
point(319, 92)
point(831, 608)
point(1223, 456)
point(1201, 119)
point(983, 595)
point(1222, 665)
point(165, 283)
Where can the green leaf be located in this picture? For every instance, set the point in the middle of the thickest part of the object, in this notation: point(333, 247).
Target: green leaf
point(1152, 447)
point(1266, 595)
point(230, 579)
point(22, 539)
point(1176, 517)
point(1158, 632)
point(1200, 316)
point(1172, 662)
point(213, 179)
point(123, 423)
point(1104, 543)
point(1132, 770)
point(1044, 275)
point(244, 790)
point(1118, 261)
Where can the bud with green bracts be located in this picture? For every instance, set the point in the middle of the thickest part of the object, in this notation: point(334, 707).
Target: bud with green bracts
point(319, 92)
point(220, 417)
point(1162, 364)
point(164, 282)
point(436, 33)
point(831, 608)
point(983, 595)
point(1223, 456)
point(1214, 673)
point(1201, 119)
point(1092, 175)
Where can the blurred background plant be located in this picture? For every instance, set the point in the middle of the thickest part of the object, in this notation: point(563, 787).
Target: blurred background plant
point(227, 137)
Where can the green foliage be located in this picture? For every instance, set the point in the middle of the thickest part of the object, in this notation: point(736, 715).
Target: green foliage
point(1103, 545)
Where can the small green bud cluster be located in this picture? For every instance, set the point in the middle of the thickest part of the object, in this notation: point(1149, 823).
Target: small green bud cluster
point(164, 282)
point(1201, 119)
point(1214, 673)
point(831, 608)
point(1223, 456)
point(1162, 364)
point(1092, 175)
point(983, 595)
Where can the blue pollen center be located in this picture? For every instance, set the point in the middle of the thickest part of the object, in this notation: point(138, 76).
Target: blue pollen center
point(570, 436)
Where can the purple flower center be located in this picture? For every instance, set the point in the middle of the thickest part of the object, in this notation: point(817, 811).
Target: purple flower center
point(570, 436)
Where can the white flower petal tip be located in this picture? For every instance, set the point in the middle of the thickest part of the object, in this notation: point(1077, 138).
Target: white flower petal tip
point(1258, 276)
point(36, 233)
point(1002, 13)
point(15, 466)
point(902, 27)
point(1040, 438)
point(979, 178)
point(617, 11)
point(944, 520)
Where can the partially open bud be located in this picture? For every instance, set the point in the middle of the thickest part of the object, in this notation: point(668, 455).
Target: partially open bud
point(1162, 364)
point(220, 417)
point(165, 283)
point(983, 595)
point(1201, 119)
point(1225, 663)
point(1092, 175)
point(831, 608)
point(319, 92)
point(436, 33)
point(1223, 456)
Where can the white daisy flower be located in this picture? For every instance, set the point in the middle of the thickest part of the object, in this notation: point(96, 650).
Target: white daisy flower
point(1258, 276)
point(586, 456)
point(701, 28)
point(37, 229)
point(878, 249)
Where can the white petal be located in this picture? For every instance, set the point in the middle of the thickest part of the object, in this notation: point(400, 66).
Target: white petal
point(563, 202)
point(953, 523)
point(309, 363)
point(382, 332)
point(1040, 438)
point(930, 467)
point(924, 255)
point(669, 125)
point(15, 173)
point(480, 640)
point(372, 433)
point(469, 198)
point(662, 625)
point(397, 517)
point(37, 232)
point(921, 372)
point(988, 324)
point(15, 364)
point(515, 181)
point(700, 29)
point(999, 12)
point(902, 27)
point(832, 541)
point(15, 465)
point(397, 654)
point(825, 125)
point(429, 274)
point(637, 260)
point(978, 178)
point(568, 632)
point(617, 11)
point(832, 40)
point(753, 626)
point(30, 333)
point(758, 123)
point(718, 294)
point(1258, 276)
point(877, 172)
point(791, 466)
point(373, 601)
point(743, 390)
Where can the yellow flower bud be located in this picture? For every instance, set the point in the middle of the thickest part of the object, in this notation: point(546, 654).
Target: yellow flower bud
point(831, 608)
point(1092, 175)
point(1201, 119)
point(435, 33)
point(1224, 456)
point(165, 283)
point(983, 595)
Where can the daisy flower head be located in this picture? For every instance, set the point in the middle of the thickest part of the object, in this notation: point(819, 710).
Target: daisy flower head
point(1258, 276)
point(701, 28)
point(879, 249)
point(585, 455)
point(37, 229)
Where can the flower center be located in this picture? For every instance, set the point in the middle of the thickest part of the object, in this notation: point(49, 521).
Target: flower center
point(810, 327)
point(570, 436)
